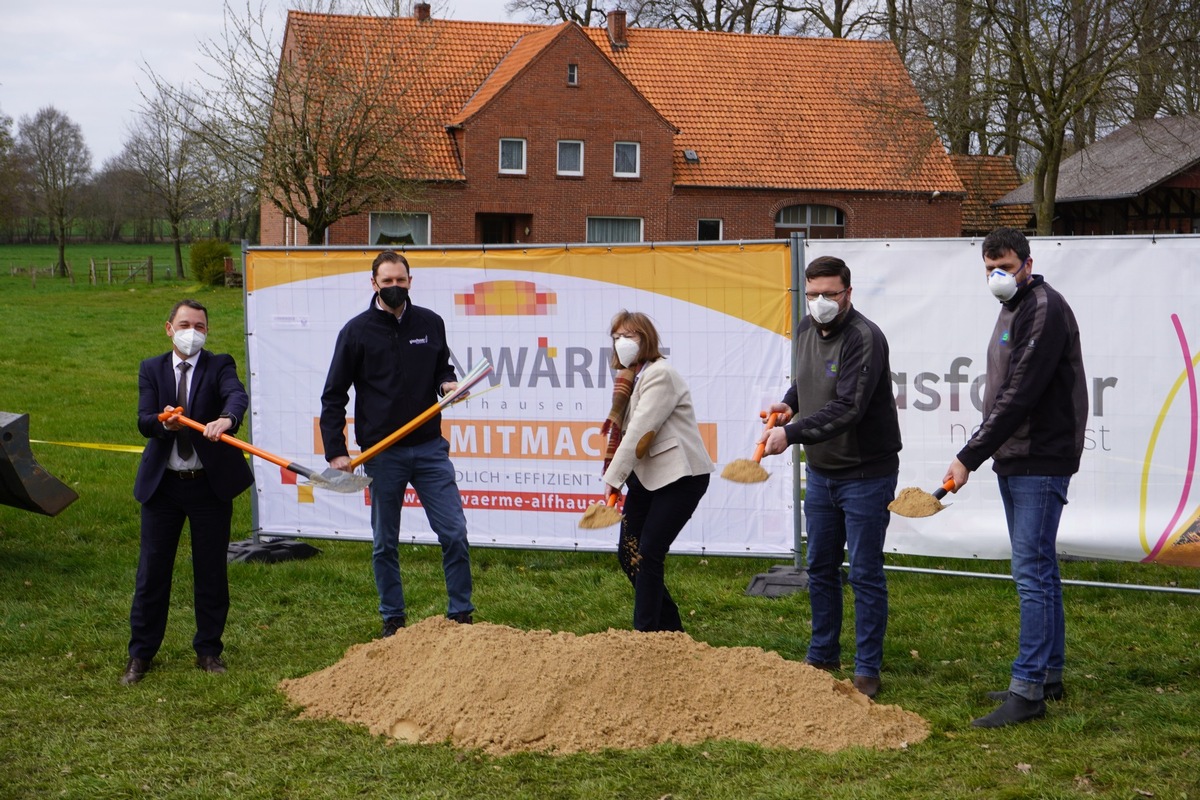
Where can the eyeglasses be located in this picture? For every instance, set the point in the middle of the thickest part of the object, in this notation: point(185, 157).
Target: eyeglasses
point(827, 295)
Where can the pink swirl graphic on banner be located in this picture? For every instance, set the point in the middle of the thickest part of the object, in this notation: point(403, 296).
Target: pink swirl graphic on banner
point(1195, 425)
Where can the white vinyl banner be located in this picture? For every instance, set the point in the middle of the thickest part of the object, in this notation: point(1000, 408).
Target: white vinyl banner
point(526, 444)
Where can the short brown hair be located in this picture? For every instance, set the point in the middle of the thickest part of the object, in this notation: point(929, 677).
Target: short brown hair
point(828, 266)
point(639, 323)
point(389, 257)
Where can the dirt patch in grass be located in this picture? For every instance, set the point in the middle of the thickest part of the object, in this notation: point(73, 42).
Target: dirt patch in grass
point(504, 690)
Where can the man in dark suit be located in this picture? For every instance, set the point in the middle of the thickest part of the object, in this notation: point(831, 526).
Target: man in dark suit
point(186, 475)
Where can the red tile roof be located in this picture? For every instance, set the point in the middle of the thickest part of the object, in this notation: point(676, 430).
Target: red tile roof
point(778, 112)
point(987, 179)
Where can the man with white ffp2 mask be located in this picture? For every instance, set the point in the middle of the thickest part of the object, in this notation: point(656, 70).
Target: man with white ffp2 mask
point(841, 408)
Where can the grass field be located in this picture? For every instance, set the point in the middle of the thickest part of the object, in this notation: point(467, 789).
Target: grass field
point(79, 257)
point(1129, 728)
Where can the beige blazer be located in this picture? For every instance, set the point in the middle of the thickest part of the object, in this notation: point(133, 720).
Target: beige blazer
point(661, 404)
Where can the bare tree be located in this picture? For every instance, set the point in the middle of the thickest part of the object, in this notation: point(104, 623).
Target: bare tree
point(171, 162)
point(1064, 58)
point(9, 177)
point(59, 165)
point(553, 11)
point(316, 131)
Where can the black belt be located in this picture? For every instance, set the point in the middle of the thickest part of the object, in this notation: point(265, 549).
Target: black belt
point(187, 474)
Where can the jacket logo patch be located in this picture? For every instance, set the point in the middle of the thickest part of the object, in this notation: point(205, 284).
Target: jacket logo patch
point(422, 340)
point(831, 369)
point(1005, 337)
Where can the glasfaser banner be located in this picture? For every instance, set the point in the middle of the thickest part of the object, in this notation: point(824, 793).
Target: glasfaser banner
point(1136, 301)
point(526, 443)
point(527, 446)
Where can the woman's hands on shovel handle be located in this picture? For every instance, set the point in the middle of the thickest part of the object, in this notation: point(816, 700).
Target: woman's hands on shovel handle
point(958, 473)
point(775, 438)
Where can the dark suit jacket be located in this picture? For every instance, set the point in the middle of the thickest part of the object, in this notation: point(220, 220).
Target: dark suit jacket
point(215, 390)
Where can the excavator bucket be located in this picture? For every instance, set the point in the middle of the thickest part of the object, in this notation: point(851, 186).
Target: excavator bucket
point(24, 483)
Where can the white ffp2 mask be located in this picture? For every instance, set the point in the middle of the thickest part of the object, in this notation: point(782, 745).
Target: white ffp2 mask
point(188, 341)
point(627, 351)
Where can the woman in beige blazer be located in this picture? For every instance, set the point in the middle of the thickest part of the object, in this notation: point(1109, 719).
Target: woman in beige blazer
point(662, 460)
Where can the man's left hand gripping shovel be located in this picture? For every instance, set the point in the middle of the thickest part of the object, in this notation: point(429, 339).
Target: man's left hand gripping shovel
point(344, 482)
point(481, 370)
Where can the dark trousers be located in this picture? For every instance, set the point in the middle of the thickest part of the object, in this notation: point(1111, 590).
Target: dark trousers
point(652, 521)
point(209, 519)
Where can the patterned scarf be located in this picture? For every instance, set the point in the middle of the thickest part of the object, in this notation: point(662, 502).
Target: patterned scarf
point(622, 389)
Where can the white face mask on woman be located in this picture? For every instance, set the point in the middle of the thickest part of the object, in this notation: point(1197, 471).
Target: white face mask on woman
point(627, 350)
point(188, 341)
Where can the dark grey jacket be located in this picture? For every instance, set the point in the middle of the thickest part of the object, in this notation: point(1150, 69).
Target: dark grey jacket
point(1035, 404)
point(842, 395)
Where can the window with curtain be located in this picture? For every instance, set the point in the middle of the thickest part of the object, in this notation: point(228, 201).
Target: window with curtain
point(391, 228)
point(627, 159)
point(814, 221)
point(512, 156)
point(570, 157)
point(614, 230)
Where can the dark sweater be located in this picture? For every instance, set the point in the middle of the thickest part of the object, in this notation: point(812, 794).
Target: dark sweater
point(396, 368)
point(842, 395)
point(1035, 405)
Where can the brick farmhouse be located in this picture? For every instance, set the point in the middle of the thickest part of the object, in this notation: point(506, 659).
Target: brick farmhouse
point(550, 134)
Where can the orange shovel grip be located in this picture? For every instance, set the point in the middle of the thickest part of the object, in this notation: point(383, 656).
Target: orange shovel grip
point(762, 446)
point(177, 415)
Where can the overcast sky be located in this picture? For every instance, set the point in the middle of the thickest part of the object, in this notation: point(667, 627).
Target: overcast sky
point(85, 57)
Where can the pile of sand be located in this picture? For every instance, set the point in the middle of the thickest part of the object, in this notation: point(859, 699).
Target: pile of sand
point(501, 690)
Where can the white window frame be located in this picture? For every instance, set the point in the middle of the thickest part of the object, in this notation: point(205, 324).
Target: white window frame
point(637, 159)
point(573, 173)
point(417, 224)
point(572, 74)
point(720, 228)
point(513, 170)
point(641, 223)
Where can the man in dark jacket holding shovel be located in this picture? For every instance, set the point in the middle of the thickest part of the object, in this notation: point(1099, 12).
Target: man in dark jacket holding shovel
point(396, 356)
point(1035, 412)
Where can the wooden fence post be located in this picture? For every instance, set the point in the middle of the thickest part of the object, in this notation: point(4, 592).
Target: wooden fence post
point(109, 260)
point(149, 269)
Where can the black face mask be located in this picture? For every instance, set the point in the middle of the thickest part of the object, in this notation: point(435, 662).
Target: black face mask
point(394, 296)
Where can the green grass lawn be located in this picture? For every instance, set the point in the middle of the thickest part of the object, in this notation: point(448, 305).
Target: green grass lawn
point(1129, 728)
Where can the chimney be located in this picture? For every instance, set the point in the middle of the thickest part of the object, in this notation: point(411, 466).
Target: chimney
point(616, 28)
point(421, 12)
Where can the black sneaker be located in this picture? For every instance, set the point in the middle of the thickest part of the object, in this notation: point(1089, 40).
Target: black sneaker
point(462, 618)
point(1052, 692)
point(1016, 709)
point(390, 626)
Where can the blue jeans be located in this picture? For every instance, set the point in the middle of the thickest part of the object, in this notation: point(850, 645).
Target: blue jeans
point(427, 467)
point(849, 515)
point(1033, 505)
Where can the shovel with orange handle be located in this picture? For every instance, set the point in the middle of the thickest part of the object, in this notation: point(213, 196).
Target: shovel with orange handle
point(601, 515)
point(744, 470)
point(914, 502)
point(480, 371)
point(344, 482)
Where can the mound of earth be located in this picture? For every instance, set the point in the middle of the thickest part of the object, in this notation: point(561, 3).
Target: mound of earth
point(501, 690)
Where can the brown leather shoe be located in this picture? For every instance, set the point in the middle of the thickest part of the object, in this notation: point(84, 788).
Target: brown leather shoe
point(211, 664)
point(866, 685)
point(828, 666)
point(135, 670)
